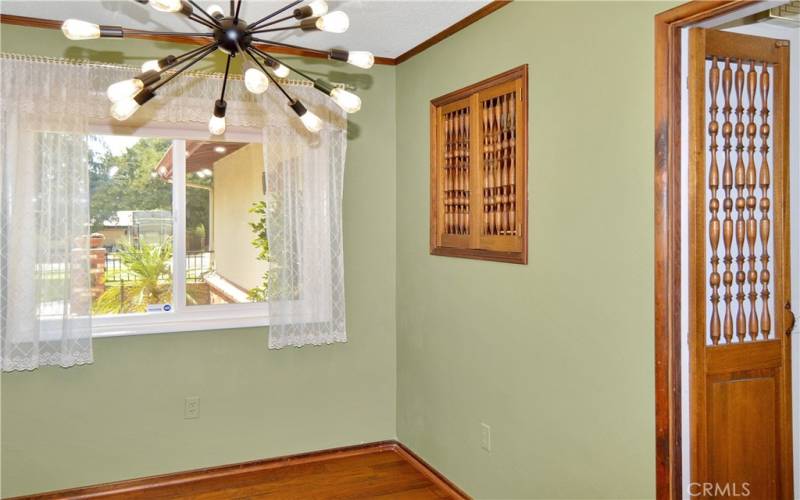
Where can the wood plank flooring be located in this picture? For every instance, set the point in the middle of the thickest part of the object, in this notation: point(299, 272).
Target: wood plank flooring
point(384, 470)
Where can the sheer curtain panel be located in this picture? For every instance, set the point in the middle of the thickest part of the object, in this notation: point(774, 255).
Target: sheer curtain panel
point(304, 174)
point(45, 299)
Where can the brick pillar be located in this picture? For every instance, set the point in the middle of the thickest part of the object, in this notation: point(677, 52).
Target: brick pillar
point(97, 264)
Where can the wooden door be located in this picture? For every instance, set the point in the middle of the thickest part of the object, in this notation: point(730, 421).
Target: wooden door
point(740, 315)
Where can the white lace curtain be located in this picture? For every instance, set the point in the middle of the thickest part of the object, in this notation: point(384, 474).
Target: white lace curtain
point(47, 107)
point(44, 215)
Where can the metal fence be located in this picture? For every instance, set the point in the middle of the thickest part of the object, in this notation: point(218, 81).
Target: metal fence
point(197, 265)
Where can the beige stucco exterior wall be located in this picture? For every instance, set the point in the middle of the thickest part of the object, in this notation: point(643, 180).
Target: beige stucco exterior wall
point(237, 185)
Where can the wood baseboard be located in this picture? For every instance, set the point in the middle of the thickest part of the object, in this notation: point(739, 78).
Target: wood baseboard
point(184, 481)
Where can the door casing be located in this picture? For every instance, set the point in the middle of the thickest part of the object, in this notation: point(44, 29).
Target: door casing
point(667, 258)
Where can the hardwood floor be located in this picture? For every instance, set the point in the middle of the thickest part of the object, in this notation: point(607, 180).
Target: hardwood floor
point(384, 470)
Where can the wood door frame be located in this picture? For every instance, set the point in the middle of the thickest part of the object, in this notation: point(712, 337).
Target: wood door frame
point(667, 256)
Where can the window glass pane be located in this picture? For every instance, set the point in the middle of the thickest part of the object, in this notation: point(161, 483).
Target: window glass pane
point(131, 217)
point(226, 247)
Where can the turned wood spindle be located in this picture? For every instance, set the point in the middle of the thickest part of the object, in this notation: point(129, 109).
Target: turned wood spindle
point(727, 202)
point(486, 146)
point(504, 168)
point(465, 175)
point(713, 185)
point(741, 320)
point(764, 183)
point(750, 182)
point(498, 155)
point(512, 167)
point(448, 173)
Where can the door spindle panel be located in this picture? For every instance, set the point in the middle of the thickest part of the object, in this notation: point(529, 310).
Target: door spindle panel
point(740, 368)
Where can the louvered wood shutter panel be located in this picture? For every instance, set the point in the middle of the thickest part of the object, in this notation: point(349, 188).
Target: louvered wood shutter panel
point(479, 170)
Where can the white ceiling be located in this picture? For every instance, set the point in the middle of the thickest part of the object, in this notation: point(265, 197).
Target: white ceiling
point(387, 28)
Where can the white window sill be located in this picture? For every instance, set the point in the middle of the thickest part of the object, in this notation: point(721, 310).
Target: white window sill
point(154, 323)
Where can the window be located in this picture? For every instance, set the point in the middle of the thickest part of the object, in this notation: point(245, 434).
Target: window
point(479, 170)
point(178, 232)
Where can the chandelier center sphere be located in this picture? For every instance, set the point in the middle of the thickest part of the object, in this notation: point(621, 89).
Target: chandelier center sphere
point(232, 36)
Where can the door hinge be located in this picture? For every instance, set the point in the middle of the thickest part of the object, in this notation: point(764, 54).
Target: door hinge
point(781, 43)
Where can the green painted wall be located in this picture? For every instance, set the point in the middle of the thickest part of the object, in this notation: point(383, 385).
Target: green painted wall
point(556, 356)
point(122, 416)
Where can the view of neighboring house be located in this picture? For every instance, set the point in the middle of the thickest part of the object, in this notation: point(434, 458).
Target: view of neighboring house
point(232, 175)
point(136, 226)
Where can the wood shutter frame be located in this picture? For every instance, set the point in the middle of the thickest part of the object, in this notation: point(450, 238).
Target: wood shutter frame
point(474, 243)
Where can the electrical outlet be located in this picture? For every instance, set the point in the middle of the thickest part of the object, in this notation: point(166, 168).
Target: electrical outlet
point(486, 437)
point(191, 407)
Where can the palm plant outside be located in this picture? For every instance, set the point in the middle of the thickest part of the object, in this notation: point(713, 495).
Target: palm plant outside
point(150, 264)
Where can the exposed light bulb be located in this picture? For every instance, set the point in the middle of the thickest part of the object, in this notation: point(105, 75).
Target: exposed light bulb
point(255, 80)
point(333, 22)
point(125, 89)
point(318, 7)
point(215, 11)
point(124, 109)
point(75, 29)
point(151, 65)
point(346, 100)
point(311, 121)
point(216, 125)
point(361, 58)
point(280, 70)
point(166, 5)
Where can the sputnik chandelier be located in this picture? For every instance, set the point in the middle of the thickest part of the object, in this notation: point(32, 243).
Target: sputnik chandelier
point(233, 36)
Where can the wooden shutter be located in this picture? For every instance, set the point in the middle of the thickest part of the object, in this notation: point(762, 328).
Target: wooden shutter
point(739, 312)
point(479, 149)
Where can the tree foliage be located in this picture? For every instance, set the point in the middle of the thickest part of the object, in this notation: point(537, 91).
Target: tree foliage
point(128, 182)
point(261, 243)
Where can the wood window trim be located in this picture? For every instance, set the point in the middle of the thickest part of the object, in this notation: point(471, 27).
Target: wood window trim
point(667, 258)
point(516, 257)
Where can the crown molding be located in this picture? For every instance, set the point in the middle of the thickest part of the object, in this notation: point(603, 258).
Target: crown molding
point(35, 22)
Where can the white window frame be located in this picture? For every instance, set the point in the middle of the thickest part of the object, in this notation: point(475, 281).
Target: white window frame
point(181, 318)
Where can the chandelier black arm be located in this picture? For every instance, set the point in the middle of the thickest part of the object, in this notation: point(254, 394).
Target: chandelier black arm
point(127, 31)
point(236, 16)
point(225, 78)
point(202, 21)
point(232, 8)
point(284, 28)
point(276, 21)
point(206, 14)
point(289, 45)
point(256, 24)
point(280, 87)
point(182, 57)
point(184, 68)
point(268, 56)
